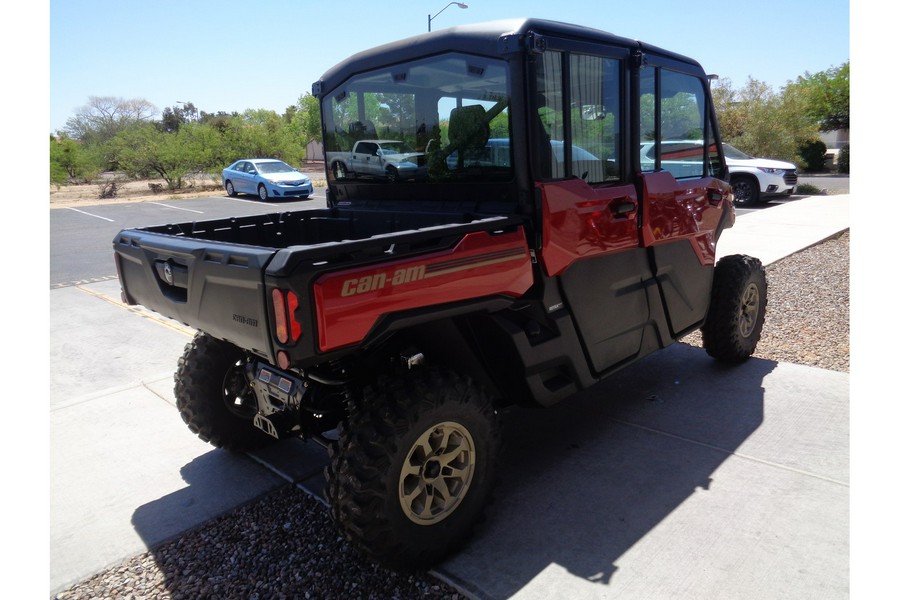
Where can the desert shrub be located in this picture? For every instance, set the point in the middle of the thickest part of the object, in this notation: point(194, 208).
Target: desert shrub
point(805, 189)
point(108, 189)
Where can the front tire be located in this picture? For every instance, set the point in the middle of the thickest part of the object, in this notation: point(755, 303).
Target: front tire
point(413, 467)
point(737, 309)
point(393, 175)
point(746, 191)
point(262, 192)
point(213, 395)
point(339, 170)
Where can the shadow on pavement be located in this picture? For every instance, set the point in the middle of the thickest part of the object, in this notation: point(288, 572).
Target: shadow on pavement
point(217, 482)
point(585, 480)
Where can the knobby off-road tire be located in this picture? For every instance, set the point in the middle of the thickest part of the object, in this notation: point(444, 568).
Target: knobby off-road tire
point(737, 309)
point(213, 396)
point(413, 467)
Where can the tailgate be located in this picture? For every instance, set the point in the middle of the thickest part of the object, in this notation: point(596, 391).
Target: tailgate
point(215, 287)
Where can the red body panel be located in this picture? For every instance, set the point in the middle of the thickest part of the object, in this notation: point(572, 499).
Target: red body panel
point(689, 209)
point(349, 303)
point(580, 221)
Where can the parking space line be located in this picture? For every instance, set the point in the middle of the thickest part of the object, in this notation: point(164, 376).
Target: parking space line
point(257, 202)
point(199, 212)
point(90, 214)
point(140, 312)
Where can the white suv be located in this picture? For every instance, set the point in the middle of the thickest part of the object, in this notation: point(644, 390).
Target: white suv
point(753, 180)
point(758, 179)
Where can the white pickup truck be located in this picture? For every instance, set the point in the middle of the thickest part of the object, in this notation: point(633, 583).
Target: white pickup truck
point(393, 160)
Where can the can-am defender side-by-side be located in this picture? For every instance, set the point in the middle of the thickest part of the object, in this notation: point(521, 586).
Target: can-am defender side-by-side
point(523, 252)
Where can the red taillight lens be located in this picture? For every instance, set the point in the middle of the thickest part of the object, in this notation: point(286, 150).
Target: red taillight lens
point(287, 327)
point(293, 303)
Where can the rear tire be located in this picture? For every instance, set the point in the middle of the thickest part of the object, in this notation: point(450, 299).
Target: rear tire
point(413, 467)
point(737, 309)
point(229, 189)
point(213, 395)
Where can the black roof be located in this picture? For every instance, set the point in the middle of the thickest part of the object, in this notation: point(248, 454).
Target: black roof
point(479, 38)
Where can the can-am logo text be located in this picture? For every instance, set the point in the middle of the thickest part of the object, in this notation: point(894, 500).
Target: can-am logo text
point(378, 281)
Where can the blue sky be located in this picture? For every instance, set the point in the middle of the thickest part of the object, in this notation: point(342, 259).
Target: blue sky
point(230, 56)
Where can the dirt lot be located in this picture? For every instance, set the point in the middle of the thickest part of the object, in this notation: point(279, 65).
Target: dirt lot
point(143, 190)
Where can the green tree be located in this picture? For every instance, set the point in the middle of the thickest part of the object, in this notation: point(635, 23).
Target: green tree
point(762, 122)
point(827, 94)
point(71, 161)
point(176, 116)
point(304, 119)
point(146, 151)
point(259, 133)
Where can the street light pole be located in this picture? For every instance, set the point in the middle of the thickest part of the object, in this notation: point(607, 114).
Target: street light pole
point(462, 5)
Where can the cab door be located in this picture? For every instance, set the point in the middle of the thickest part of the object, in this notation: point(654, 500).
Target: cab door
point(589, 202)
point(684, 204)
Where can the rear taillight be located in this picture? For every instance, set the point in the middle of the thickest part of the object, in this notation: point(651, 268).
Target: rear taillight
point(287, 327)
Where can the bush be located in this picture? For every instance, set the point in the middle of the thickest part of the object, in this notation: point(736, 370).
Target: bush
point(812, 155)
point(843, 162)
point(805, 189)
point(110, 189)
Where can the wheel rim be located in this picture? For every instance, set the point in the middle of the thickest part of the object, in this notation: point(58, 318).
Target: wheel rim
point(236, 392)
point(741, 191)
point(437, 473)
point(263, 193)
point(749, 310)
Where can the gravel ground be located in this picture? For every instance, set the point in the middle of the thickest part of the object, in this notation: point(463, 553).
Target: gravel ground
point(808, 315)
point(284, 546)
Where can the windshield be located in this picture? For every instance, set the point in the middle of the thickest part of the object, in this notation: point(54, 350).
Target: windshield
point(441, 112)
point(274, 167)
point(734, 153)
point(396, 148)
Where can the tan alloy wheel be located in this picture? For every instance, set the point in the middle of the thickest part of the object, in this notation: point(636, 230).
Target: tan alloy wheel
point(437, 473)
point(749, 310)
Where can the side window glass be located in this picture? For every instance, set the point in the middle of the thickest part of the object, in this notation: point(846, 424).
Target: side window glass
point(682, 120)
point(715, 161)
point(594, 118)
point(674, 128)
point(550, 103)
point(648, 120)
point(578, 112)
